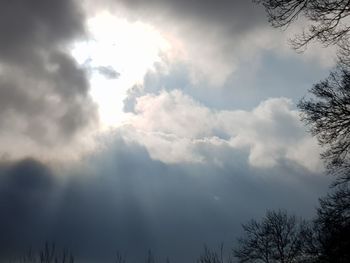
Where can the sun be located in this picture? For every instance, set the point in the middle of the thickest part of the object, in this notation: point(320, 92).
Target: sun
point(130, 49)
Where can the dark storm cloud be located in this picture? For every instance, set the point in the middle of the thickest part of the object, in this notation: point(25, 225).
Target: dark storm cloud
point(214, 35)
point(28, 26)
point(235, 16)
point(129, 202)
point(26, 189)
point(43, 92)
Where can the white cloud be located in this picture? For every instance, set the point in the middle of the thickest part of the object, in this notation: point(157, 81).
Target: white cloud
point(173, 113)
point(174, 128)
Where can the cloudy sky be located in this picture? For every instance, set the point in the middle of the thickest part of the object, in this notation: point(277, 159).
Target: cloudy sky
point(164, 124)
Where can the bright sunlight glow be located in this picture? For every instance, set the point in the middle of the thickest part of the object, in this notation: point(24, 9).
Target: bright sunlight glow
point(128, 48)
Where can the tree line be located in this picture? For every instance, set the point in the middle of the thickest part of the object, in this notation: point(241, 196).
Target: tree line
point(280, 237)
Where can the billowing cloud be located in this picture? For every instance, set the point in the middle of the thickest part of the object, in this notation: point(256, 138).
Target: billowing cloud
point(174, 127)
point(44, 101)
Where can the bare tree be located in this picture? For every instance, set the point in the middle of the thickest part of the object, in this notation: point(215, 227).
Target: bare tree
point(49, 254)
point(278, 237)
point(255, 246)
point(327, 114)
point(211, 256)
point(327, 19)
point(331, 231)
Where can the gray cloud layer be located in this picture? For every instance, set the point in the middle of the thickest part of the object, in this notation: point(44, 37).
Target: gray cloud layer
point(43, 93)
point(229, 15)
point(127, 201)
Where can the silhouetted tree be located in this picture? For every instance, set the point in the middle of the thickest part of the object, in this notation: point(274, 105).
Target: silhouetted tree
point(327, 114)
point(278, 237)
point(326, 18)
point(211, 256)
point(329, 241)
point(48, 254)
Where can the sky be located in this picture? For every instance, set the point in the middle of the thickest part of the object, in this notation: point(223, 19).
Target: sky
point(128, 125)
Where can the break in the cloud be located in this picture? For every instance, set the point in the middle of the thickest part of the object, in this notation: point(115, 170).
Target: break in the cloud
point(174, 128)
point(254, 81)
point(212, 37)
point(44, 99)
